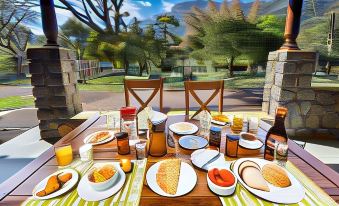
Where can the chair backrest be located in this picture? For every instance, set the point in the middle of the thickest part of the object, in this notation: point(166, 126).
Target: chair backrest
point(156, 84)
point(192, 86)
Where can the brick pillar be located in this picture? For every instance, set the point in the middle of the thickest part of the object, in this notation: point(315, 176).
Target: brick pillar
point(54, 88)
point(288, 83)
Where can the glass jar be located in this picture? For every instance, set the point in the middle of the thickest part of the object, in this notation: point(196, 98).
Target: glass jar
point(123, 143)
point(157, 139)
point(128, 121)
point(215, 136)
point(232, 143)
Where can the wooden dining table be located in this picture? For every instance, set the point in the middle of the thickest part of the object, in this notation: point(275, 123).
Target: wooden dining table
point(19, 187)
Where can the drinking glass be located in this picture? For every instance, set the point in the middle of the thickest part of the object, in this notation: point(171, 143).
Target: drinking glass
point(253, 124)
point(140, 148)
point(237, 124)
point(112, 121)
point(63, 154)
point(281, 153)
point(205, 122)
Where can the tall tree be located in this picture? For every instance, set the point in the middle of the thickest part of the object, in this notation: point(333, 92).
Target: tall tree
point(237, 12)
point(253, 14)
point(14, 35)
point(228, 37)
point(164, 23)
point(74, 35)
point(98, 14)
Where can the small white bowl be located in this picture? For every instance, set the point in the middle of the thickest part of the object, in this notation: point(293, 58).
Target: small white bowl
point(106, 184)
point(222, 191)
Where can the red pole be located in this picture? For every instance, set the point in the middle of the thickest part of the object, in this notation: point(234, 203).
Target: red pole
point(49, 22)
point(292, 25)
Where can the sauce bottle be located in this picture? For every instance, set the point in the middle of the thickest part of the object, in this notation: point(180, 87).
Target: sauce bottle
point(277, 137)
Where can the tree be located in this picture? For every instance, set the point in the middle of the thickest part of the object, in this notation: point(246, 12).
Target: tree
point(253, 14)
point(74, 35)
point(14, 36)
point(228, 35)
point(97, 14)
point(164, 23)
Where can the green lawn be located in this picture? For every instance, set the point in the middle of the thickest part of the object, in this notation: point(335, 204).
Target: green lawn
point(16, 102)
point(19, 81)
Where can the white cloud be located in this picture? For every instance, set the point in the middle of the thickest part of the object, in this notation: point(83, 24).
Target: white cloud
point(145, 3)
point(167, 6)
point(132, 9)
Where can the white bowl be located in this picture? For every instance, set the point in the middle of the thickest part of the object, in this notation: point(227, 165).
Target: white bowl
point(222, 191)
point(106, 184)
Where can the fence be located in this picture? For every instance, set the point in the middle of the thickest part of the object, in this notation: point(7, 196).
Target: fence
point(88, 69)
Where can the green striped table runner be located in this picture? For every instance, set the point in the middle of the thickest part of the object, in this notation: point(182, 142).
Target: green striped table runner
point(129, 195)
point(314, 194)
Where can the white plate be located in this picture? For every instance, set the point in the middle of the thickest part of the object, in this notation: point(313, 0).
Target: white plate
point(220, 161)
point(187, 180)
point(289, 195)
point(256, 144)
point(192, 142)
point(158, 117)
point(65, 188)
point(87, 193)
point(102, 142)
point(174, 128)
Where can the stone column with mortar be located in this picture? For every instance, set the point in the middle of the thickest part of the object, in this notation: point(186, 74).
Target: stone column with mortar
point(288, 83)
point(54, 88)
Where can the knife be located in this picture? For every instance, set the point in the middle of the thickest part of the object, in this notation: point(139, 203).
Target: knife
point(211, 160)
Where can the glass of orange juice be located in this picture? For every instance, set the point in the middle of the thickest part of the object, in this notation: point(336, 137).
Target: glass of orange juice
point(64, 154)
point(237, 124)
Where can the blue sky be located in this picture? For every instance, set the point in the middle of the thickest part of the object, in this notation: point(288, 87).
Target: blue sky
point(137, 8)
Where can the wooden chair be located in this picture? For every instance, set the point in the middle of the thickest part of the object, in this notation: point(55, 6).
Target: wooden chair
point(191, 86)
point(156, 84)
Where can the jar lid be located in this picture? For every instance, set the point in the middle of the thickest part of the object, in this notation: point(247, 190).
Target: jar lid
point(128, 110)
point(233, 136)
point(121, 135)
point(215, 129)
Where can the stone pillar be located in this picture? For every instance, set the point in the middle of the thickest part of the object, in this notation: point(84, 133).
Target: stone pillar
point(288, 83)
point(54, 88)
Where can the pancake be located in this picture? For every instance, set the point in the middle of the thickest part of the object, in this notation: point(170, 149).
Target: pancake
point(253, 178)
point(168, 175)
point(275, 175)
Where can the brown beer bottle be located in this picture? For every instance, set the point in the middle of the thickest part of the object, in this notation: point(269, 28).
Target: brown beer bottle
point(276, 135)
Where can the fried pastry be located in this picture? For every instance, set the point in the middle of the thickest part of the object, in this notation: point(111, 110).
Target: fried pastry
point(51, 186)
point(168, 175)
point(275, 175)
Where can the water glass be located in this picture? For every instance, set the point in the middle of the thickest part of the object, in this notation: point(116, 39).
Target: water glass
point(253, 124)
point(112, 121)
point(281, 153)
point(86, 152)
point(205, 122)
point(140, 148)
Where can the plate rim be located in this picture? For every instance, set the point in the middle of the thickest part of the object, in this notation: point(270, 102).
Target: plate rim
point(84, 179)
point(262, 144)
point(102, 142)
point(194, 136)
point(169, 195)
point(250, 189)
point(196, 129)
point(52, 195)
